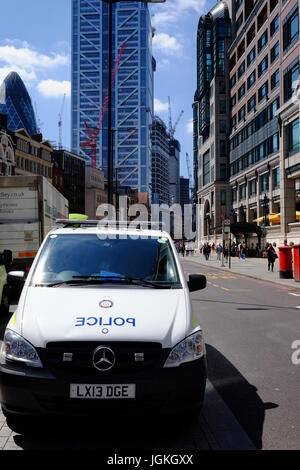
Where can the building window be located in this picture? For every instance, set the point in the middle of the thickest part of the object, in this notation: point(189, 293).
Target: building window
point(262, 42)
point(275, 79)
point(293, 136)
point(251, 79)
point(242, 113)
point(242, 191)
point(263, 91)
point(290, 29)
point(252, 187)
point(273, 4)
point(239, 22)
point(290, 80)
point(274, 25)
point(264, 183)
point(251, 57)
point(233, 81)
point(263, 66)
point(233, 121)
point(206, 168)
point(275, 52)
point(251, 103)
point(274, 143)
point(241, 91)
point(241, 70)
point(276, 178)
point(233, 101)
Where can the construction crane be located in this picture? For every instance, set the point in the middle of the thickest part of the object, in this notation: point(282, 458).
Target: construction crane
point(60, 145)
point(39, 124)
point(93, 134)
point(172, 128)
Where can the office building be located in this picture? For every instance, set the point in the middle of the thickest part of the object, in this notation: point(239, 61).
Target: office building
point(132, 103)
point(174, 171)
point(211, 118)
point(264, 140)
point(160, 162)
point(261, 174)
point(69, 178)
point(184, 191)
point(15, 102)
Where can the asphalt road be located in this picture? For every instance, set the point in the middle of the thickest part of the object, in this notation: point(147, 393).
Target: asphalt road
point(249, 328)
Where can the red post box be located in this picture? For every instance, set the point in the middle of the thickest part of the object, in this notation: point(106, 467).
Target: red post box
point(285, 262)
point(297, 263)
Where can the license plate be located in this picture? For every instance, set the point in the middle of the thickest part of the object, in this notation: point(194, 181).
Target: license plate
point(103, 391)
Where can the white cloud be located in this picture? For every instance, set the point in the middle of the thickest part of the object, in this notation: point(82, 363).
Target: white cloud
point(26, 75)
point(167, 44)
point(18, 56)
point(189, 127)
point(172, 11)
point(159, 106)
point(29, 58)
point(54, 88)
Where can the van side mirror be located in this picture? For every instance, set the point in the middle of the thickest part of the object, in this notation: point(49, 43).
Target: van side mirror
point(16, 275)
point(196, 282)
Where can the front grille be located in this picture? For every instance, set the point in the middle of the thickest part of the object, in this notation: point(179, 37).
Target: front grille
point(82, 362)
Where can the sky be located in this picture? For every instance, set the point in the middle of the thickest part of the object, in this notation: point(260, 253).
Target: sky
point(35, 41)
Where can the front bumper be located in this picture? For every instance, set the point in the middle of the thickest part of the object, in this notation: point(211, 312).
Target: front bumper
point(40, 392)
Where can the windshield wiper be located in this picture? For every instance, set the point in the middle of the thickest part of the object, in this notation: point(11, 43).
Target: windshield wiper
point(124, 279)
point(95, 279)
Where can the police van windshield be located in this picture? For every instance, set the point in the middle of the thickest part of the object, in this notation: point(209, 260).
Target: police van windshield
point(86, 258)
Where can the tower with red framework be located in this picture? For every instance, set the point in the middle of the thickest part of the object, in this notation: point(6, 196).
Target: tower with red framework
point(132, 99)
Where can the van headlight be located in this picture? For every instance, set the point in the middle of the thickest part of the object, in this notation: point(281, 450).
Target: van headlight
point(190, 349)
point(15, 348)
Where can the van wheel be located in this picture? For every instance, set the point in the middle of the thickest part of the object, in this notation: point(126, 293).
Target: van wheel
point(4, 308)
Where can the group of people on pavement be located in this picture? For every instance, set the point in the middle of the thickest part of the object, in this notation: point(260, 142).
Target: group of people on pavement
point(239, 250)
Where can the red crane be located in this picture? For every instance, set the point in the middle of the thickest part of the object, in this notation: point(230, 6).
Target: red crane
point(92, 142)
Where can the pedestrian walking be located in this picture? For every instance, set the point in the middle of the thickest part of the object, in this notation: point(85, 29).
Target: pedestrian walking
point(271, 257)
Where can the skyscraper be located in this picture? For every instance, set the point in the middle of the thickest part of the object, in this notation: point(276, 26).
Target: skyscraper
point(15, 102)
point(160, 162)
point(211, 117)
point(132, 103)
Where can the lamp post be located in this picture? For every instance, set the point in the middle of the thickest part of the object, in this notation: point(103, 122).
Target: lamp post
point(110, 156)
point(265, 204)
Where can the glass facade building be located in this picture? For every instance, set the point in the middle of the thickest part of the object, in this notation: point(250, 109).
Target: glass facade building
point(132, 101)
point(15, 102)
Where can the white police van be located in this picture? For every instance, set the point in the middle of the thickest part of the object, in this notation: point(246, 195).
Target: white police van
point(104, 325)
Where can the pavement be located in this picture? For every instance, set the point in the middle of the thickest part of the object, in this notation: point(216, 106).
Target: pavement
point(256, 268)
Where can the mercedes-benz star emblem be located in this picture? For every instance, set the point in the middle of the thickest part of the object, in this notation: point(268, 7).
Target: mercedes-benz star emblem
point(106, 303)
point(104, 358)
